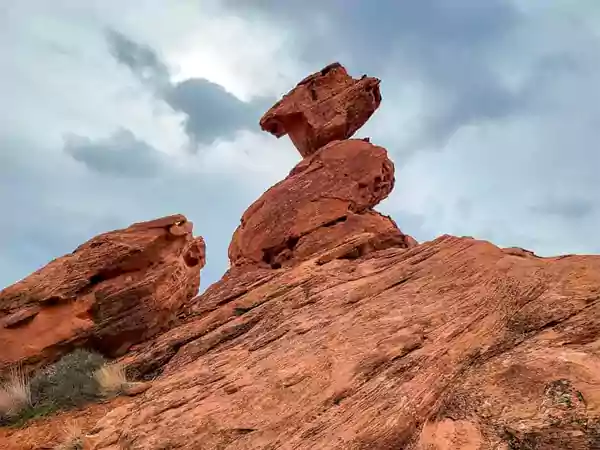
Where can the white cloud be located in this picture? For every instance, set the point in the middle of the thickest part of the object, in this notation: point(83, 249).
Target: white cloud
point(522, 172)
point(59, 79)
point(265, 68)
point(530, 178)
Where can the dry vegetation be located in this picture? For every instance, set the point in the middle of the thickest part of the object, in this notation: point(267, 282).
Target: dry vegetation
point(78, 378)
point(111, 379)
point(15, 394)
point(73, 437)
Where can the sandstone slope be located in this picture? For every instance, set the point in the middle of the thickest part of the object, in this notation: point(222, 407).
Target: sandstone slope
point(334, 330)
point(453, 344)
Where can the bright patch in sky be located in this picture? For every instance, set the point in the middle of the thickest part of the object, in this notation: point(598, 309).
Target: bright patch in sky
point(117, 112)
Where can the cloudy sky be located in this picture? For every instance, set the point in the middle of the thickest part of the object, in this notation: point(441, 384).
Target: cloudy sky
point(120, 111)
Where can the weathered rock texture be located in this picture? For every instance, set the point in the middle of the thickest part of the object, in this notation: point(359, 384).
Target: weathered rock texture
point(453, 344)
point(55, 431)
point(361, 338)
point(115, 290)
point(326, 106)
point(327, 198)
point(334, 330)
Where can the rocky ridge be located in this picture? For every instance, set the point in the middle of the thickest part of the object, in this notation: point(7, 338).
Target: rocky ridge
point(335, 330)
point(118, 289)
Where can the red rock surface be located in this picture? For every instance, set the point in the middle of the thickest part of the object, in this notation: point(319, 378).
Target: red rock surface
point(50, 432)
point(115, 290)
point(326, 106)
point(326, 199)
point(334, 330)
point(452, 344)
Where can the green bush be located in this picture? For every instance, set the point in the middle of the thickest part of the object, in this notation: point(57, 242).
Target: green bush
point(68, 383)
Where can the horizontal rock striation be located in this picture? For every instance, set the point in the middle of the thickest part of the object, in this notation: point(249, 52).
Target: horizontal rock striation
point(117, 289)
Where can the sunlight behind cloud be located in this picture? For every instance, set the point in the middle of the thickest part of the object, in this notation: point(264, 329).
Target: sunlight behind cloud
point(213, 52)
point(489, 112)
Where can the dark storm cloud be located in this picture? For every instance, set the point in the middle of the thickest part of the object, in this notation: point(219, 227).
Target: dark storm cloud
point(120, 154)
point(141, 60)
point(568, 209)
point(211, 112)
point(441, 43)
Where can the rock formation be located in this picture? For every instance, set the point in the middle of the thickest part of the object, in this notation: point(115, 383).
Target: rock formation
point(329, 196)
point(334, 330)
point(362, 339)
point(326, 106)
point(452, 344)
point(115, 290)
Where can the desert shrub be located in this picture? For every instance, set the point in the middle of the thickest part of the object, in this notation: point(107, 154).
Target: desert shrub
point(73, 437)
point(67, 383)
point(76, 379)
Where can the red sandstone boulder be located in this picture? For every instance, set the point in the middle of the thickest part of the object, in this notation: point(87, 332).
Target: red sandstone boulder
point(326, 199)
point(326, 106)
point(115, 290)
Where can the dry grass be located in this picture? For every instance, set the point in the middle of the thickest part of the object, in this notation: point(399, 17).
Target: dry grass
point(15, 394)
point(73, 437)
point(111, 379)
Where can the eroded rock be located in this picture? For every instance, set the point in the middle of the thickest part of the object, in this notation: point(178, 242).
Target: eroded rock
point(452, 344)
point(117, 289)
point(326, 106)
point(326, 199)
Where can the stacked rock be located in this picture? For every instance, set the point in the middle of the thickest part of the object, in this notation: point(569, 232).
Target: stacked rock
point(327, 200)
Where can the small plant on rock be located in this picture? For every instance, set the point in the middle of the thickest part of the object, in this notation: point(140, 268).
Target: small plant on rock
point(73, 437)
point(69, 382)
point(77, 378)
point(15, 395)
point(111, 379)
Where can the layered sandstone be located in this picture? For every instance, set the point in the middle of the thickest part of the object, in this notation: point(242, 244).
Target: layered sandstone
point(326, 106)
point(115, 290)
point(327, 200)
point(452, 344)
point(333, 329)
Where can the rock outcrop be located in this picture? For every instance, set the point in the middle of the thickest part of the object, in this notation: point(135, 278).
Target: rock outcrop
point(328, 198)
point(334, 330)
point(452, 344)
point(326, 106)
point(116, 290)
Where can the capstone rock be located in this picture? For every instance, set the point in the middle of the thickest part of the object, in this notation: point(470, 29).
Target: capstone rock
point(326, 106)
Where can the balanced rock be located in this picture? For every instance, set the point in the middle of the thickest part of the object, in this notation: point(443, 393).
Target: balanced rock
point(113, 291)
point(326, 106)
point(326, 200)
